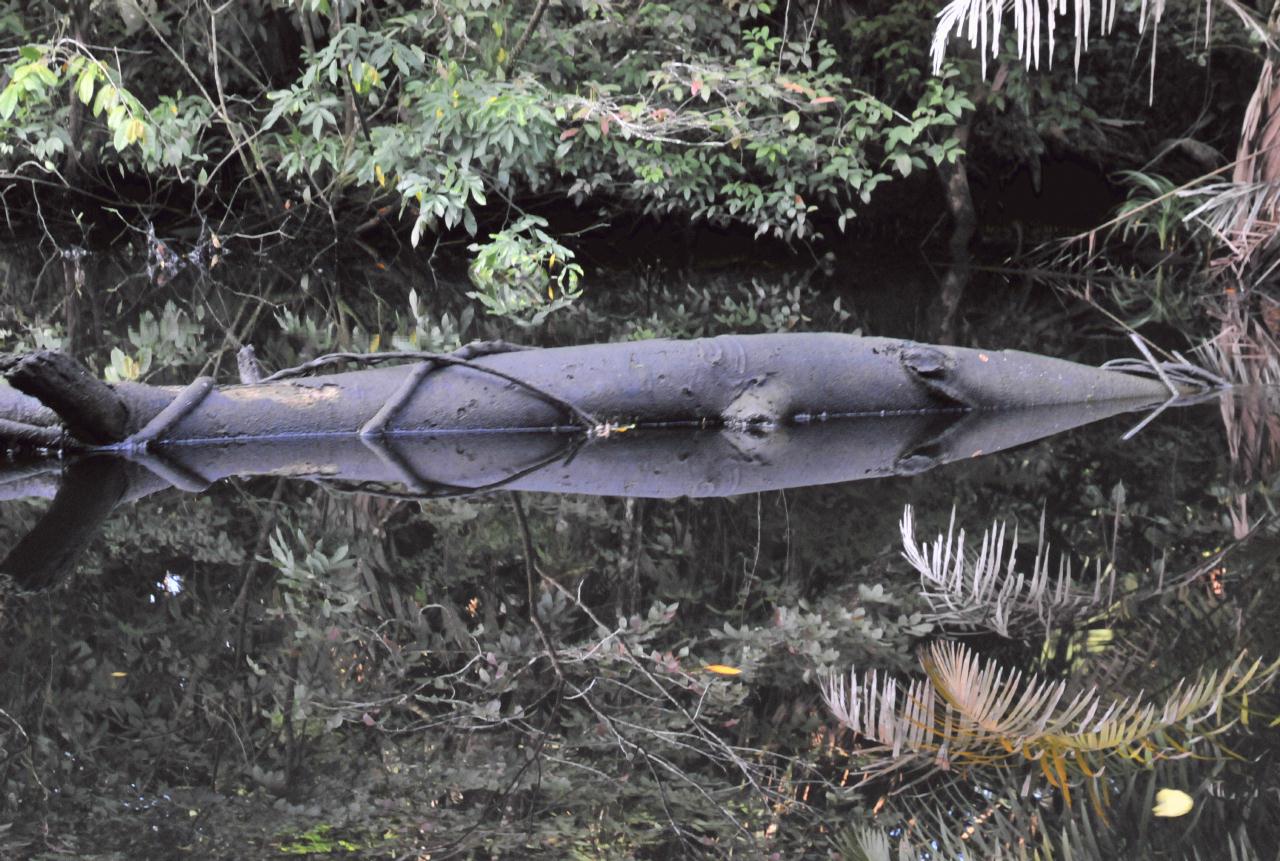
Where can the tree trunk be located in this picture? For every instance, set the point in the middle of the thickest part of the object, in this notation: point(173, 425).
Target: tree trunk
point(736, 380)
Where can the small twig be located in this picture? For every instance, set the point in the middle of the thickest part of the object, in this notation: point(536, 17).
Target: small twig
point(355, 103)
point(1164, 378)
point(1133, 431)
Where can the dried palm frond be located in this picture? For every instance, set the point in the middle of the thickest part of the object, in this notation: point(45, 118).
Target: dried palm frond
point(988, 590)
point(1240, 215)
point(968, 713)
point(1246, 351)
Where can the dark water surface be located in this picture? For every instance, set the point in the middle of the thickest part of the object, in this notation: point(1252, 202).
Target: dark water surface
point(284, 666)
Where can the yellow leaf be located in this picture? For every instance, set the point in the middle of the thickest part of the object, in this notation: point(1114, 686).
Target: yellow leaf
point(379, 175)
point(722, 670)
point(1172, 802)
point(375, 343)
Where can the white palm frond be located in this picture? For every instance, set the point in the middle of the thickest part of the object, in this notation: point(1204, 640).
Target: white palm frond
point(988, 590)
point(1034, 23)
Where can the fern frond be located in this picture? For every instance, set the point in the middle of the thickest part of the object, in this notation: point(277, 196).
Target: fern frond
point(974, 712)
point(988, 590)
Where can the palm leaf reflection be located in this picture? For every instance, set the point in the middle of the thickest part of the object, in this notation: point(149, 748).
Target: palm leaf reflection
point(988, 590)
point(967, 713)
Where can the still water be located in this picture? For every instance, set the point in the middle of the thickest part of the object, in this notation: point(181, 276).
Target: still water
point(284, 664)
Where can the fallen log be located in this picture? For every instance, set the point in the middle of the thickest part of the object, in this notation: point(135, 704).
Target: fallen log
point(712, 417)
point(762, 381)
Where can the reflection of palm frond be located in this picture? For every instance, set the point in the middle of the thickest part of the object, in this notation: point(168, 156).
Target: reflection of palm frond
point(1243, 351)
point(999, 820)
point(970, 713)
point(870, 844)
point(1246, 352)
point(987, 590)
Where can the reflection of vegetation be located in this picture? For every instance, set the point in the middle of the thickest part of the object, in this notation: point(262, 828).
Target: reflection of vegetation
point(400, 697)
point(398, 694)
point(319, 839)
point(988, 590)
point(971, 714)
point(517, 266)
point(975, 732)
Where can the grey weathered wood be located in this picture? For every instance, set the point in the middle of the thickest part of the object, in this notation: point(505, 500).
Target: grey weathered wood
point(760, 381)
point(90, 409)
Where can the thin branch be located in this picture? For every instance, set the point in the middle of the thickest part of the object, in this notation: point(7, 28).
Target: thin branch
point(528, 32)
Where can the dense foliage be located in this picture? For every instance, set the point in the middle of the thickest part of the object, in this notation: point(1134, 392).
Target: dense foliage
point(705, 110)
point(282, 668)
point(782, 119)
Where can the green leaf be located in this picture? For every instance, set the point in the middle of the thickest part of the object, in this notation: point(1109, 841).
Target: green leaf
point(107, 96)
point(46, 75)
point(121, 139)
point(282, 103)
point(8, 101)
point(84, 87)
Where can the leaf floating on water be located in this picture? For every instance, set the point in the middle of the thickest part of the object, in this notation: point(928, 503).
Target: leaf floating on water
point(1172, 802)
point(722, 670)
